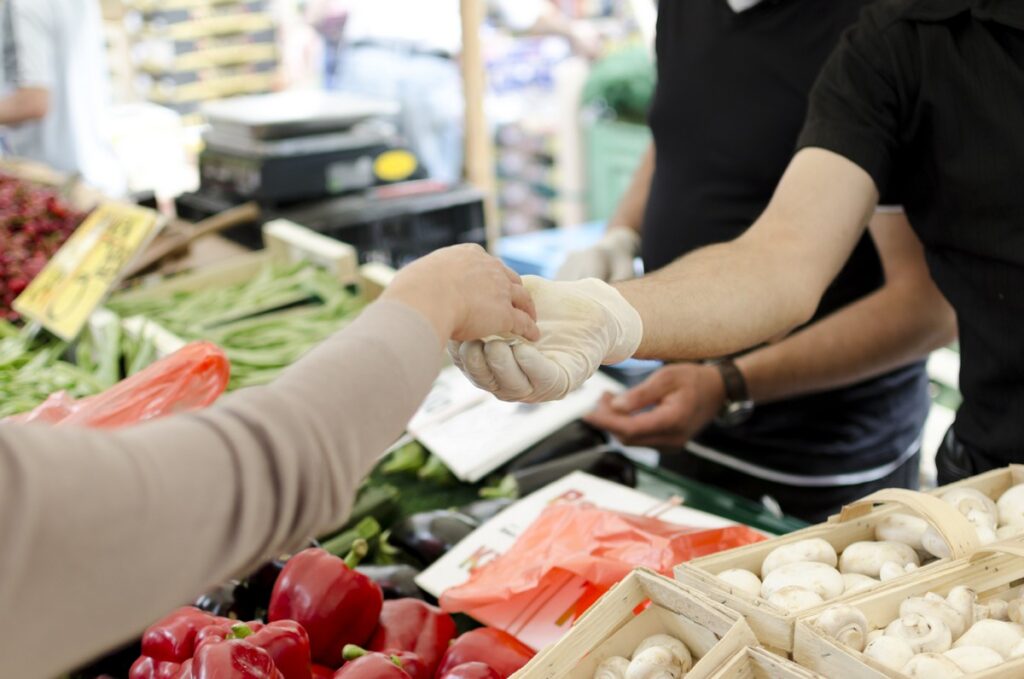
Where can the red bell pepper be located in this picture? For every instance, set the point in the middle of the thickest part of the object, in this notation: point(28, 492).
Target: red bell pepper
point(415, 626)
point(334, 603)
point(470, 670)
point(230, 659)
point(321, 672)
point(226, 630)
point(499, 650)
point(288, 645)
point(365, 665)
point(170, 641)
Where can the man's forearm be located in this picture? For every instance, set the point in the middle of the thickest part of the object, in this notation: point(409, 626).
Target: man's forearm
point(630, 211)
point(24, 105)
point(726, 298)
point(893, 327)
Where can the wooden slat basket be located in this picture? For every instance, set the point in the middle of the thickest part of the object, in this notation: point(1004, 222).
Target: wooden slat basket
point(994, 571)
point(613, 627)
point(774, 626)
point(758, 663)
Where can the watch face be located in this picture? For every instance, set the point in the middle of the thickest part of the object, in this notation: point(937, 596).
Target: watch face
point(734, 413)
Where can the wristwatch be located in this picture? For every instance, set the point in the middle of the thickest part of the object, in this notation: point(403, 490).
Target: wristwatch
point(738, 407)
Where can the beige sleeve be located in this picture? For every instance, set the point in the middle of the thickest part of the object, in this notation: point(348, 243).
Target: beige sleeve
point(103, 532)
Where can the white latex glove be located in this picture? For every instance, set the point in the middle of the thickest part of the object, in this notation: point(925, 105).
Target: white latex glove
point(610, 260)
point(583, 324)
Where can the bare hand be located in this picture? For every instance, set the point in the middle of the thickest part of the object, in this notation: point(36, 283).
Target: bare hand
point(685, 397)
point(467, 294)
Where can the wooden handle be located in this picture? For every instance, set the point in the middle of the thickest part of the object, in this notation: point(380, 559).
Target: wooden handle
point(1014, 547)
point(954, 528)
point(241, 214)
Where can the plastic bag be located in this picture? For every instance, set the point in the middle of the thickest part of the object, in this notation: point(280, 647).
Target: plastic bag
point(189, 379)
point(597, 545)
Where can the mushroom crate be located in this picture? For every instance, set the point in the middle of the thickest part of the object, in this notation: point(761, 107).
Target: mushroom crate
point(646, 627)
point(757, 663)
point(865, 547)
point(963, 620)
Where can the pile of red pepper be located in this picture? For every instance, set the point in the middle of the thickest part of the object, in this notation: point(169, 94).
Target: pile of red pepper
point(326, 621)
point(34, 223)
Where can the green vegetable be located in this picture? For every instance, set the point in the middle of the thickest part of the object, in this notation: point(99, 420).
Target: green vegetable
point(377, 501)
point(435, 471)
point(342, 543)
point(409, 458)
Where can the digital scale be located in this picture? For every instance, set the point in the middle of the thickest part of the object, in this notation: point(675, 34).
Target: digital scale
point(293, 147)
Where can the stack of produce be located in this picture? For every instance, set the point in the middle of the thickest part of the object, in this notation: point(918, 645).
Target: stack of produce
point(33, 369)
point(660, 655)
point(34, 223)
point(263, 324)
point(325, 619)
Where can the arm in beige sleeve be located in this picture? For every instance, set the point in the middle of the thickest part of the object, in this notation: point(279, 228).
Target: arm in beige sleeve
point(103, 532)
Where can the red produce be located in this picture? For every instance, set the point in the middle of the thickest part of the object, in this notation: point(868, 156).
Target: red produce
point(499, 650)
point(415, 626)
point(363, 665)
point(470, 670)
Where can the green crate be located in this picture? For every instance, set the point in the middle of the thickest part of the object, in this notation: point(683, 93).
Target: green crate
point(614, 150)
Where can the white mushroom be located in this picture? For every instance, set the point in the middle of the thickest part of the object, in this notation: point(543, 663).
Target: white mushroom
point(1010, 530)
point(875, 634)
point(973, 659)
point(1000, 636)
point(964, 601)
point(612, 668)
point(930, 607)
point(845, 624)
point(931, 666)
point(904, 528)
point(867, 557)
point(934, 544)
point(1015, 610)
point(656, 662)
point(742, 580)
point(856, 582)
point(994, 609)
point(794, 599)
point(924, 633)
point(1017, 651)
point(812, 549)
point(1011, 506)
point(892, 652)
point(975, 505)
point(678, 649)
point(817, 577)
point(891, 570)
point(986, 535)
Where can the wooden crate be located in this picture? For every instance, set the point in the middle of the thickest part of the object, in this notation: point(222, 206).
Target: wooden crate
point(612, 627)
point(993, 483)
point(993, 571)
point(773, 626)
point(759, 663)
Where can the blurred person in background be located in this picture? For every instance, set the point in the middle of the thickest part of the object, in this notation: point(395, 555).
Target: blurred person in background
point(407, 51)
point(838, 408)
point(56, 88)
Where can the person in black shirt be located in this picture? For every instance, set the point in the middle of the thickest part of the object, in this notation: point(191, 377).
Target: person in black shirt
point(922, 102)
point(731, 98)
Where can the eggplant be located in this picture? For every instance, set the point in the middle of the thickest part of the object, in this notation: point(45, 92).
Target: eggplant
point(397, 581)
point(484, 510)
point(428, 536)
point(572, 438)
point(223, 601)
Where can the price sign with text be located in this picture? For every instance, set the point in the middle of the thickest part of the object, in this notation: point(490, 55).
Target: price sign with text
point(66, 292)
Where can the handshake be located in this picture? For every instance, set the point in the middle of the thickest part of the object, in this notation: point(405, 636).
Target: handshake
point(583, 324)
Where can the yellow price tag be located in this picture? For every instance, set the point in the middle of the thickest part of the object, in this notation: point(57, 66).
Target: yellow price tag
point(70, 287)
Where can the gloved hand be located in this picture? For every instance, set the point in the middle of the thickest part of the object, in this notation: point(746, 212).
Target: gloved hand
point(610, 260)
point(582, 325)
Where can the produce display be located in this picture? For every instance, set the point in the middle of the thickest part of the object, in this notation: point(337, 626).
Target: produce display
point(657, 657)
point(935, 636)
point(263, 324)
point(34, 223)
point(325, 619)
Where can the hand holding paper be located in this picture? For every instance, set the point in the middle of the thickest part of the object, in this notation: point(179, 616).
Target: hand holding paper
point(583, 324)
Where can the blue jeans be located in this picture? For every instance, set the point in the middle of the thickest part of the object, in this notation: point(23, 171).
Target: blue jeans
point(428, 89)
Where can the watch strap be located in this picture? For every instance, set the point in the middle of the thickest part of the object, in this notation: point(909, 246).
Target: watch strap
point(735, 384)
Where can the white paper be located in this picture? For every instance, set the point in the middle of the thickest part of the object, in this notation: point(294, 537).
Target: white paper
point(496, 536)
point(474, 433)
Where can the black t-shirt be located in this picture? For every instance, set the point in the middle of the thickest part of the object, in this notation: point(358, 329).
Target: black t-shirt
point(928, 98)
point(730, 102)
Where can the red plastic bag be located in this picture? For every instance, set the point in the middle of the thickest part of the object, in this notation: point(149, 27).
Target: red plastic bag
point(189, 379)
point(583, 548)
